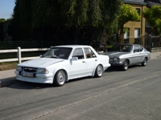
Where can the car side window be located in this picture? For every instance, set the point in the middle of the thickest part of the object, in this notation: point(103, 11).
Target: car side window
point(140, 48)
point(136, 48)
point(126, 48)
point(89, 53)
point(78, 52)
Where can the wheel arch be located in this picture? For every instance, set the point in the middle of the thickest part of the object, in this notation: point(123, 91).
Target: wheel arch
point(127, 61)
point(147, 58)
point(57, 72)
point(93, 74)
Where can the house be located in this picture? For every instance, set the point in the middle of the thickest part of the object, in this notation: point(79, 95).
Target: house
point(135, 29)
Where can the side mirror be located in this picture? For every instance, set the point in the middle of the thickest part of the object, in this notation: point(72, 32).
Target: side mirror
point(74, 58)
point(40, 56)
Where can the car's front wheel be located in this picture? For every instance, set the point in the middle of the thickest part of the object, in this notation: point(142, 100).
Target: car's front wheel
point(144, 63)
point(99, 71)
point(60, 78)
point(125, 65)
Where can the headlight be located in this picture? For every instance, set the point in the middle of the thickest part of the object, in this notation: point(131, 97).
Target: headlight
point(116, 59)
point(42, 71)
point(19, 68)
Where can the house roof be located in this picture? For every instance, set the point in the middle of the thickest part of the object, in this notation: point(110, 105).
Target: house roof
point(151, 3)
point(136, 2)
point(155, 1)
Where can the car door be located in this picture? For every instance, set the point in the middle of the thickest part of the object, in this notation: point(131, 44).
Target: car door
point(91, 60)
point(137, 54)
point(142, 55)
point(78, 66)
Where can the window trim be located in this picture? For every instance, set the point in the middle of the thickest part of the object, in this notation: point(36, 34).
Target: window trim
point(80, 57)
point(90, 55)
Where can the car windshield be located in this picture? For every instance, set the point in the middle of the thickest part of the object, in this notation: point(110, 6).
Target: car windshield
point(58, 52)
point(122, 48)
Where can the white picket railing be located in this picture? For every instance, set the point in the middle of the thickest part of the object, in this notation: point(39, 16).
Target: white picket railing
point(19, 51)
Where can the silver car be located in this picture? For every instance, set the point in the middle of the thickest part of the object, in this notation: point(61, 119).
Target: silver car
point(125, 55)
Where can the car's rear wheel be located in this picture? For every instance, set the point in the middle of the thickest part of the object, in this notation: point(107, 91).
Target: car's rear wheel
point(60, 78)
point(144, 63)
point(125, 65)
point(99, 71)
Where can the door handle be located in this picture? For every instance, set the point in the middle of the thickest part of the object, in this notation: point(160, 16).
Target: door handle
point(95, 59)
point(83, 61)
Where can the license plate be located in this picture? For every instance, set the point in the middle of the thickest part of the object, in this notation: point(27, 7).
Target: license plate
point(27, 74)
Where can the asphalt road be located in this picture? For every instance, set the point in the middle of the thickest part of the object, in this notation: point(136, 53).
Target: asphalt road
point(118, 95)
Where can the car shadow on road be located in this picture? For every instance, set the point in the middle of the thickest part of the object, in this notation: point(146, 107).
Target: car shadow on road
point(15, 84)
point(119, 69)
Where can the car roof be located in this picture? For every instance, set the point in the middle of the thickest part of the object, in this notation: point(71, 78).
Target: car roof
point(71, 46)
point(125, 44)
point(128, 44)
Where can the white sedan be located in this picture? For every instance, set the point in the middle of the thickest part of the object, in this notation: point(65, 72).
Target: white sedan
point(63, 63)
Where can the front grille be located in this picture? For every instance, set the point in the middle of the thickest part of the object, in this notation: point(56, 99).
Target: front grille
point(111, 59)
point(28, 69)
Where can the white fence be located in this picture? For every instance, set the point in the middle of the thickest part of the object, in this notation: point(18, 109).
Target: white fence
point(19, 51)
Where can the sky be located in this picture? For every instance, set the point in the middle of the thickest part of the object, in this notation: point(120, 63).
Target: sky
point(6, 8)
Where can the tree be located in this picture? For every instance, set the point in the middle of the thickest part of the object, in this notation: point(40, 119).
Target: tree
point(153, 18)
point(99, 15)
point(60, 20)
point(127, 13)
point(20, 27)
point(2, 21)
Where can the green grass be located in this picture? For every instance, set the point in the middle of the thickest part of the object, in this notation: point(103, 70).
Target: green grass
point(13, 65)
point(8, 66)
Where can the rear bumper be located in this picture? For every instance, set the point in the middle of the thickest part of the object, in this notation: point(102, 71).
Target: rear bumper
point(107, 66)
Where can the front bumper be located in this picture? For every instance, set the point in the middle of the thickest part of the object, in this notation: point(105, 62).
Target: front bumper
point(38, 78)
point(116, 63)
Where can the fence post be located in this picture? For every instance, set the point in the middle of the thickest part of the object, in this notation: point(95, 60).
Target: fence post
point(19, 54)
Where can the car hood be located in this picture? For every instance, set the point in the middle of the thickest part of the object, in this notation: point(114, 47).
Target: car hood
point(41, 62)
point(115, 54)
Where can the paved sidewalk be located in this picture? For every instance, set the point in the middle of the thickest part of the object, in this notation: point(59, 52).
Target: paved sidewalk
point(9, 74)
point(155, 55)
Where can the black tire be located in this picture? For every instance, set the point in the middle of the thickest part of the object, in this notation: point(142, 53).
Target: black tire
point(125, 65)
point(60, 78)
point(99, 71)
point(144, 63)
